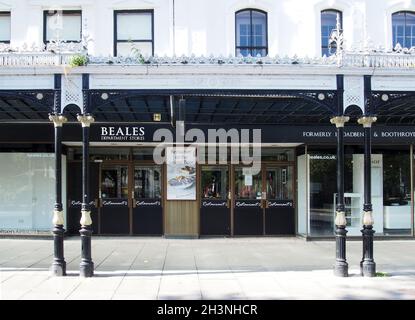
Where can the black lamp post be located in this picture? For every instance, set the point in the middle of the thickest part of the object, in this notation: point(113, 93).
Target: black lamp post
point(340, 266)
point(367, 265)
point(59, 265)
point(87, 266)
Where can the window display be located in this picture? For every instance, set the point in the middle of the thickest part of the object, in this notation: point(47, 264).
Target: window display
point(279, 183)
point(147, 182)
point(114, 182)
point(247, 186)
point(391, 196)
point(214, 182)
point(396, 192)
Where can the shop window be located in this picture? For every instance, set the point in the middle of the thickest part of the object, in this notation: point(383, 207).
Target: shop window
point(4, 27)
point(322, 188)
point(144, 154)
point(279, 183)
point(251, 33)
point(133, 29)
point(247, 186)
point(277, 154)
point(396, 192)
point(27, 182)
point(214, 183)
point(330, 20)
point(62, 25)
point(97, 154)
point(215, 155)
point(147, 182)
point(234, 155)
point(391, 196)
point(114, 182)
point(403, 29)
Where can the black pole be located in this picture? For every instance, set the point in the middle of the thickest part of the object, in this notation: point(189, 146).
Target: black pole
point(86, 266)
point(367, 265)
point(341, 265)
point(59, 265)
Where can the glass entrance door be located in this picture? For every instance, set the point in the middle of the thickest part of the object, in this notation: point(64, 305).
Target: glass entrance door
point(147, 204)
point(215, 203)
point(248, 206)
point(114, 202)
point(279, 207)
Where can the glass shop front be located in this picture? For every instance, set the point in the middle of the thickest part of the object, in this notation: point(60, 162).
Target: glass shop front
point(392, 193)
point(293, 193)
point(131, 195)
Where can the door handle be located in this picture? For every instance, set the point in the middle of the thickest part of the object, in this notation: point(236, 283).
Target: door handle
point(228, 203)
point(96, 203)
point(134, 203)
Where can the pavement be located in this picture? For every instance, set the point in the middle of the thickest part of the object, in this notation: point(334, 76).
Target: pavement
point(220, 268)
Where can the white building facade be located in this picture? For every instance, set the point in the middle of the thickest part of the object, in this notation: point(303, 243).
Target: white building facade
point(208, 27)
point(296, 70)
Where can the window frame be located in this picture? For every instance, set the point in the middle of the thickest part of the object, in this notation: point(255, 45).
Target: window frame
point(46, 13)
point(251, 48)
point(404, 27)
point(116, 41)
point(322, 46)
point(6, 13)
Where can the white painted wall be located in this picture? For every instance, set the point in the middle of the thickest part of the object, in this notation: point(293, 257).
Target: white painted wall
point(207, 27)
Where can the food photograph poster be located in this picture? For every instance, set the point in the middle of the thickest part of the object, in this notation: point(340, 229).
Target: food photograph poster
point(181, 173)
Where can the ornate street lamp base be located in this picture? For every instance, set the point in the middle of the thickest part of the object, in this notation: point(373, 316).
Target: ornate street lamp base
point(58, 269)
point(341, 269)
point(368, 265)
point(86, 269)
point(368, 268)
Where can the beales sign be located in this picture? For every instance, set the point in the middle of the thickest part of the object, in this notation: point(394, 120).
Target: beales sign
point(144, 133)
point(269, 134)
point(325, 134)
point(118, 133)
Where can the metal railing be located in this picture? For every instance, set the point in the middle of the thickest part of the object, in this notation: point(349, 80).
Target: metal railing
point(34, 59)
point(377, 60)
point(343, 59)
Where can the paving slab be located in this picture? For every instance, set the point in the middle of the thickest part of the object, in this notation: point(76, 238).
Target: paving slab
point(215, 268)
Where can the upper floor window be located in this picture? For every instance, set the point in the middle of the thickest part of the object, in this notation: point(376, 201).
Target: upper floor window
point(133, 29)
point(251, 33)
point(403, 29)
point(330, 20)
point(63, 25)
point(4, 27)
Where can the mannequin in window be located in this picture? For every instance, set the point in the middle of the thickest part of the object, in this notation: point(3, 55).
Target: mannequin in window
point(211, 189)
